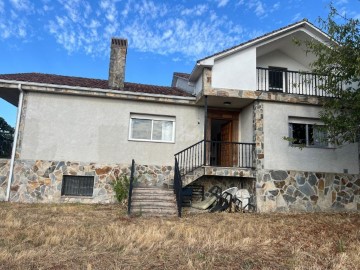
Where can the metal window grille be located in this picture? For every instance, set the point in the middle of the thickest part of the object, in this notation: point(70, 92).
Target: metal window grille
point(77, 185)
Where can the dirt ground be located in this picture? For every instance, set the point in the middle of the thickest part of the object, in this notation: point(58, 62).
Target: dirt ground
point(75, 236)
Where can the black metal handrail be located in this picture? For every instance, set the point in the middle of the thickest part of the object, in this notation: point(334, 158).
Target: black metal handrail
point(219, 153)
point(190, 158)
point(178, 187)
point(292, 82)
point(131, 185)
point(232, 154)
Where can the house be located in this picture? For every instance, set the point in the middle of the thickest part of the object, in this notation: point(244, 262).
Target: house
point(224, 122)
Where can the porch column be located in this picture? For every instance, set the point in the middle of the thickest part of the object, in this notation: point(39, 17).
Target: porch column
point(205, 128)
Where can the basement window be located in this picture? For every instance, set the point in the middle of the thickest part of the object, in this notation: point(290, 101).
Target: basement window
point(152, 128)
point(73, 185)
point(307, 134)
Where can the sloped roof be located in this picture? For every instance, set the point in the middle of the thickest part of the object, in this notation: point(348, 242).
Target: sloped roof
point(182, 75)
point(92, 83)
point(300, 23)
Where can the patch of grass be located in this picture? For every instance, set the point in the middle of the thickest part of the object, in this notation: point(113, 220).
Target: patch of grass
point(76, 236)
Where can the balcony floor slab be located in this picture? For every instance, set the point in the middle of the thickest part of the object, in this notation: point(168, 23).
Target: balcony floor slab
point(229, 171)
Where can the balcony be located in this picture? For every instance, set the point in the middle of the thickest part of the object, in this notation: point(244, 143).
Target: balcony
point(291, 82)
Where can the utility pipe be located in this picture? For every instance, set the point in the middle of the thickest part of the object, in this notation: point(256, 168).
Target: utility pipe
point(16, 135)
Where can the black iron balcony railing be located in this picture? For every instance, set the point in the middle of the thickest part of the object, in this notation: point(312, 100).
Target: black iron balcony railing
point(291, 82)
point(218, 153)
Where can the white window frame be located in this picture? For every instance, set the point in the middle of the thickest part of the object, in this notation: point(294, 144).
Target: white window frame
point(306, 122)
point(152, 118)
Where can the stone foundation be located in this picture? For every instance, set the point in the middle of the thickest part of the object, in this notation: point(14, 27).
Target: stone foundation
point(4, 174)
point(307, 191)
point(41, 181)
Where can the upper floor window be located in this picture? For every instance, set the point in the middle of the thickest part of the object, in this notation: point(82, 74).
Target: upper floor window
point(307, 134)
point(152, 128)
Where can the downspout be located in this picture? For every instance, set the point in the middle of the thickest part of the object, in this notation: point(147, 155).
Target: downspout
point(13, 152)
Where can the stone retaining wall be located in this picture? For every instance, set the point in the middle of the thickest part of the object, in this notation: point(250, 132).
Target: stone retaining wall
point(4, 174)
point(41, 181)
point(307, 191)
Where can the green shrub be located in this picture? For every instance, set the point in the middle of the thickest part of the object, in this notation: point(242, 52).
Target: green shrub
point(121, 188)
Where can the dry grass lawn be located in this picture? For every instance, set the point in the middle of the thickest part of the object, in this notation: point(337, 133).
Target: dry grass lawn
point(42, 236)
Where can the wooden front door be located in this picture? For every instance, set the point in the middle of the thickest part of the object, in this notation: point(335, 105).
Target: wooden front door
point(225, 148)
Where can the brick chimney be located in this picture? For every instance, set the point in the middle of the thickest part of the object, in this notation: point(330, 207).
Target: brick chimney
point(117, 63)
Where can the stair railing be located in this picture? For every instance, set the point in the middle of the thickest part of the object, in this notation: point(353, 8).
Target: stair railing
point(191, 158)
point(178, 187)
point(131, 186)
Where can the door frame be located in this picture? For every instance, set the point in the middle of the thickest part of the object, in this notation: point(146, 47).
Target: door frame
point(219, 114)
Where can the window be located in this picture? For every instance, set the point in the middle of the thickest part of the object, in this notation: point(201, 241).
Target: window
point(308, 135)
point(276, 81)
point(152, 128)
point(77, 185)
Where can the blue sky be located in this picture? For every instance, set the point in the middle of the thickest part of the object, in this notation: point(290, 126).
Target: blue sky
point(72, 37)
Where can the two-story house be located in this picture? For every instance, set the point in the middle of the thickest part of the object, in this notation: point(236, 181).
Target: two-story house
point(225, 123)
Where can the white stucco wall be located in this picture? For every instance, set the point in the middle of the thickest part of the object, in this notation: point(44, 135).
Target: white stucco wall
point(184, 85)
point(90, 129)
point(236, 71)
point(246, 124)
point(280, 155)
point(278, 59)
point(198, 85)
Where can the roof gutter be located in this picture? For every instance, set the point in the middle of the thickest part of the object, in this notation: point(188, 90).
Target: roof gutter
point(16, 135)
point(87, 89)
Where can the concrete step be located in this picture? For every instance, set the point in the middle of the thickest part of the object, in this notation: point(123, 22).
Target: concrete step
point(154, 211)
point(153, 190)
point(138, 197)
point(153, 202)
point(160, 204)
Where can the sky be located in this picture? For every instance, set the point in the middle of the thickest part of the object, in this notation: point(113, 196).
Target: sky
point(72, 37)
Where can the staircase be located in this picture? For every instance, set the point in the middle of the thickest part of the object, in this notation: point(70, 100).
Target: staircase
point(192, 176)
point(153, 201)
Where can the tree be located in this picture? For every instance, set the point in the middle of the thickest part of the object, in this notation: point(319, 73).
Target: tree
point(6, 138)
point(339, 61)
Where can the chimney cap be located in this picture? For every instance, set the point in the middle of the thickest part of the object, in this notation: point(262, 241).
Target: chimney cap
point(119, 41)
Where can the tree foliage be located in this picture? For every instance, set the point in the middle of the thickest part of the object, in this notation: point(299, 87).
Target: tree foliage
point(6, 138)
point(339, 61)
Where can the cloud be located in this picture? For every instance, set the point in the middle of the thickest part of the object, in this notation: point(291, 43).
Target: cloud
point(187, 32)
point(222, 3)
point(22, 5)
point(276, 6)
point(296, 17)
point(197, 10)
point(258, 7)
point(340, 2)
point(15, 23)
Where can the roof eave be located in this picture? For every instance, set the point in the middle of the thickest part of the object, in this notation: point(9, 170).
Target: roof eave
point(89, 89)
point(209, 61)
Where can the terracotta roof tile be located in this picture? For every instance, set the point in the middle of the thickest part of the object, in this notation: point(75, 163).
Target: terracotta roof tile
point(182, 75)
point(92, 83)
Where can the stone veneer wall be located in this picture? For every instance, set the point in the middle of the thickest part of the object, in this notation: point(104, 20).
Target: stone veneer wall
point(258, 126)
point(41, 181)
point(4, 174)
point(307, 191)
